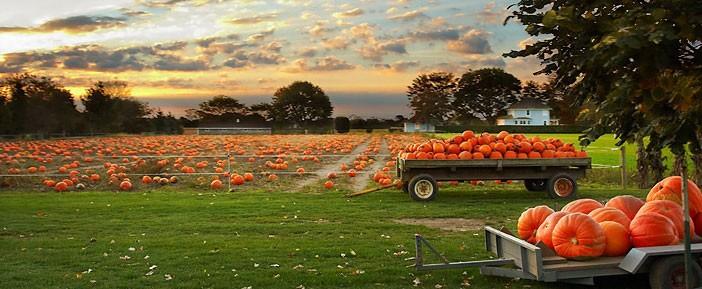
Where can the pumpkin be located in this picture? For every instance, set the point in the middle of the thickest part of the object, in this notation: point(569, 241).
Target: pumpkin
point(617, 241)
point(146, 180)
point(670, 188)
point(578, 237)
point(628, 204)
point(237, 180)
point(250, 177)
point(125, 185)
point(60, 186)
point(543, 234)
point(652, 229)
point(671, 210)
point(610, 214)
point(530, 220)
point(584, 206)
point(216, 184)
point(328, 184)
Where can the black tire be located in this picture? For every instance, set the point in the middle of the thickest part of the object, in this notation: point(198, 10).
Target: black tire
point(669, 273)
point(562, 186)
point(423, 188)
point(535, 185)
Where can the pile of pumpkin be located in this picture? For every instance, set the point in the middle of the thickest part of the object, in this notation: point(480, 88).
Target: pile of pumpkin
point(468, 146)
point(586, 228)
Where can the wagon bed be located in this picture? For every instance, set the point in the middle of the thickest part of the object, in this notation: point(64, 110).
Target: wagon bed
point(557, 175)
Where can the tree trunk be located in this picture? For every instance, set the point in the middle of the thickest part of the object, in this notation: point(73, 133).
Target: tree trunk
point(642, 164)
point(655, 162)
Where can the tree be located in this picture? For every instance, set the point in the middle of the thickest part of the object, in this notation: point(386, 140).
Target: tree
point(342, 124)
point(485, 93)
point(638, 63)
point(221, 109)
point(18, 104)
point(263, 110)
point(109, 108)
point(430, 96)
point(532, 89)
point(5, 116)
point(301, 103)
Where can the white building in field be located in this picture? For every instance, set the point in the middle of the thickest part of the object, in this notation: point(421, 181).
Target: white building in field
point(528, 111)
point(419, 127)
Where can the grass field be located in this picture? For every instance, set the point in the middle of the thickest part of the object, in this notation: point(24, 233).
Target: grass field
point(258, 238)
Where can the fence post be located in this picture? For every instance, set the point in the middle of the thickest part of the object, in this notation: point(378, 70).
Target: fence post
point(622, 163)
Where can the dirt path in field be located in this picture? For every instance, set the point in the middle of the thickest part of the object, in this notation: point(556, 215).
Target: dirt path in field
point(361, 181)
point(334, 166)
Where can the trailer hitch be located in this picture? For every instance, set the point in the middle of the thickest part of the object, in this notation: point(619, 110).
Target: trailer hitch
point(420, 241)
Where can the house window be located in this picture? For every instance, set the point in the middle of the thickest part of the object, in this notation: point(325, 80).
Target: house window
point(527, 112)
point(529, 122)
point(544, 122)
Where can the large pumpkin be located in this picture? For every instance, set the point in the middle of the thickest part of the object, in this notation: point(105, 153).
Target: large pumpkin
point(616, 238)
point(577, 236)
point(530, 220)
point(671, 210)
point(543, 234)
point(610, 214)
point(670, 188)
point(628, 204)
point(584, 206)
point(652, 229)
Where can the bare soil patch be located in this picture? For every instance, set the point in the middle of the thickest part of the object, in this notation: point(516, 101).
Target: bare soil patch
point(446, 224)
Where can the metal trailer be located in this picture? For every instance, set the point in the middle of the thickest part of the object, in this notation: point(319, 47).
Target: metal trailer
point(557, 176)
point(516, 258)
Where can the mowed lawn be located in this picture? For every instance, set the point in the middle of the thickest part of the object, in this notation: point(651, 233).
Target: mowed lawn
point(254, 239)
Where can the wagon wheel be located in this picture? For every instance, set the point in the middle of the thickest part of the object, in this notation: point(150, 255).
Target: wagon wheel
point(562, 186)
point(535, 185)
point(423, 188)
point(669, 273)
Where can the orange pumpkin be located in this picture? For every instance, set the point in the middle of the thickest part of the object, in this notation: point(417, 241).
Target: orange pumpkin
point(652, 229)
point(578, 237)
point(237, 180)
point(216, 184)
point(465, 155)
point(530, 220)
point(60, 186)
point(670, 188)
point(543, 234)
point(485, 150)
point(610, 214)
point(616, 238)
point(125, 185)
point(250, 177)
point(328, 184)
point(438, 148)
point(584, 206)
point(671, 210)
point(628, 204)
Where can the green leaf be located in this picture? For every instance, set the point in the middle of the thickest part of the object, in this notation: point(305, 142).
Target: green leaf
point(550, 19)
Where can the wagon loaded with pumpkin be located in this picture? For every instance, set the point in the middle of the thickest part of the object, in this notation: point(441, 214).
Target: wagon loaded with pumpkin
point(588, 239)
point(544, 165)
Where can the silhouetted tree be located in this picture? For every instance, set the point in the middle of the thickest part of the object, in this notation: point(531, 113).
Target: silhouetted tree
point(109, 108)
point(485, 93)
point(430, 96)
point(342, 124)
point(301, 103)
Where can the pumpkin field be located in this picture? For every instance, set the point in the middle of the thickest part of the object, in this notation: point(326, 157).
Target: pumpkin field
point(249, 212)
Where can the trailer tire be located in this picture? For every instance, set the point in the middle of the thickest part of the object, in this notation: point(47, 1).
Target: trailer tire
point(669, 273)
point(423, 188)
point(538, 185)
point(562, 186)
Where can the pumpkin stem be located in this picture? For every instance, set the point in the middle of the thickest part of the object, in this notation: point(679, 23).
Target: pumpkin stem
point(574, 241)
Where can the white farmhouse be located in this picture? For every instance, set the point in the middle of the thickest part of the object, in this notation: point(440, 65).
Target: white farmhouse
point(528, 111)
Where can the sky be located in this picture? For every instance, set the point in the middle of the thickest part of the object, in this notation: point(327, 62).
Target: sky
point(176, 53)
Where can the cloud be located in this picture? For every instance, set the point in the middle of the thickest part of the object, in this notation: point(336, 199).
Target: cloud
point(319, 29)
point(409, 16)
point(472, 42)
point(375, 50)
point(338, 42)
point(441, 34)
point(253, 19)
point(308, 52)
point(398, 66)
point(349, 13)
point(328, 63)
point(72, 25)
point(491, 15)
point(176, 63)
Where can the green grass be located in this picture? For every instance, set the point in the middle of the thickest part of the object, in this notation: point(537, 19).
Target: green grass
point(207, 240)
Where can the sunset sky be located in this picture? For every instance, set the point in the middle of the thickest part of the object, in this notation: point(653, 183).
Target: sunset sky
point(175, 53)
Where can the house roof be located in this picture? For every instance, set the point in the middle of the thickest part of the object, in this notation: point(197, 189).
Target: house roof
point(529, 103)
point(512, 117)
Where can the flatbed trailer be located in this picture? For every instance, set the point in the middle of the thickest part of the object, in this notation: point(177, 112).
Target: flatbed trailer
point(557, 176)
point(516, 258)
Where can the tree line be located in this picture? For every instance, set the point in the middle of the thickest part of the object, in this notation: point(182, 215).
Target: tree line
point(31, 104)
point(480, 95)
